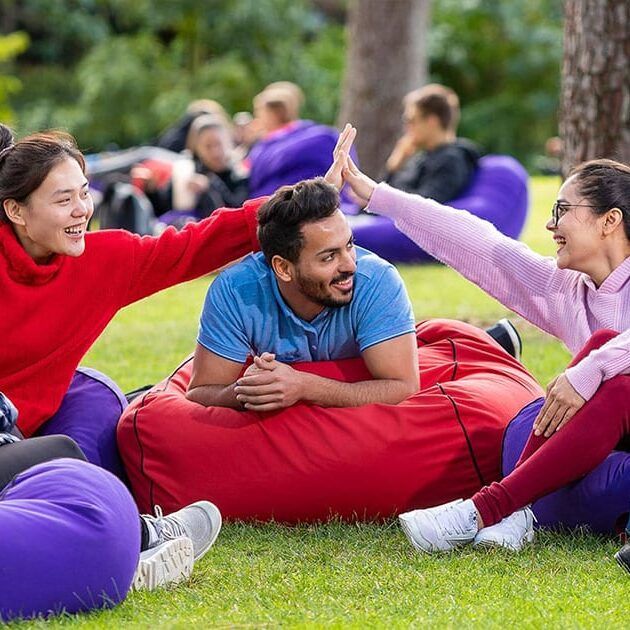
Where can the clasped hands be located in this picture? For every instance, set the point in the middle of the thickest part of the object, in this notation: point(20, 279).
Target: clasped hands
point(269, 385)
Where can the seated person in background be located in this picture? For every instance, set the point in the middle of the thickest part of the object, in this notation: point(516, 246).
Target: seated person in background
point(310, 295)
point(175, 137)
point(429, 159)
point(215, 183)
point(290, 150)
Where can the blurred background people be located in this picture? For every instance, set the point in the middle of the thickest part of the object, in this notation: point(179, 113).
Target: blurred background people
point(429, 159)
point(290, 149)
point(203, 180)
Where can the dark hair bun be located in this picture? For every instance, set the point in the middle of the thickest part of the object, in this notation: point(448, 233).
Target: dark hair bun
point(6, 137)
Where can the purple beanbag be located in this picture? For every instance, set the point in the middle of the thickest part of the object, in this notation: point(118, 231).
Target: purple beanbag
point(600, 500)
point(89, 414)
point(302, 150)
point(498, 193)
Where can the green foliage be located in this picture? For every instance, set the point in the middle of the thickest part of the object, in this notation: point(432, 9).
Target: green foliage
point(503, 59)
point(150, 59)
point(10, 47)
point(119, 71)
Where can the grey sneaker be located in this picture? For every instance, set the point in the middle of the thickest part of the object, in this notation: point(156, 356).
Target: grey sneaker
point(513, 532)
point(201, 522)
point(441, 528)
point(167, 563)
point(506, 335)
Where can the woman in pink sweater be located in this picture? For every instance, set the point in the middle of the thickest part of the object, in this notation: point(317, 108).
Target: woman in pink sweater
point(582, 298)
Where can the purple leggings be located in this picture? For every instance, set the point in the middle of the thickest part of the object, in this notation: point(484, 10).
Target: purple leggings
point(89, 414)
point(69, 540)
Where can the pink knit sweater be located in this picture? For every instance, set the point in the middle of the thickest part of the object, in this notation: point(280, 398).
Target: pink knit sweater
point(562, 302)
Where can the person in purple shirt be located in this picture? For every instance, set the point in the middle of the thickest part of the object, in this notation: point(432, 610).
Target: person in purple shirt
point(582, 297)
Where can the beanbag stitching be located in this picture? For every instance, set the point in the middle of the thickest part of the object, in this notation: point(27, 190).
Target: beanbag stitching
point(137, 432)
point(473, 458)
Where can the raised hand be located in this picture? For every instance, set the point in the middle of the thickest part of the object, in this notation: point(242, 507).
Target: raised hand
point(340, 156)
point(362, 186)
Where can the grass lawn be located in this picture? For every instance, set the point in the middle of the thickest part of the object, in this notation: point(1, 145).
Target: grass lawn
point(343, 575)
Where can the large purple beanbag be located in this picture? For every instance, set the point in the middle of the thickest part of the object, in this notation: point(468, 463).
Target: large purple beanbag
point(498, 193)
point(598, 500)
point(302, 150)
point(70, 540)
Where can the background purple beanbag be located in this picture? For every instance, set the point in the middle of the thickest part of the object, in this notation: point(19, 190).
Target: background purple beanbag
point(498, 193)
point(600, 500)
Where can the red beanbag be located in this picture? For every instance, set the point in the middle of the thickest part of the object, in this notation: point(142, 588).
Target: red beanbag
point(308, 463)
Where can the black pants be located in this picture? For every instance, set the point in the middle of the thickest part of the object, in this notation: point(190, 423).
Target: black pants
point(16, 458)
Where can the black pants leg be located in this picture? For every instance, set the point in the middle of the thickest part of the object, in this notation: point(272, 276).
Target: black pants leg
point(16, 458)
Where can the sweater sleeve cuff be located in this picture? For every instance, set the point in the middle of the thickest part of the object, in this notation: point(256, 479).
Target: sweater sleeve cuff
point(387, 201)
point(585, 378)
point(250, 208)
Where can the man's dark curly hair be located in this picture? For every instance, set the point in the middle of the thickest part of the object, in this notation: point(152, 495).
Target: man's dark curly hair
point(280, 218)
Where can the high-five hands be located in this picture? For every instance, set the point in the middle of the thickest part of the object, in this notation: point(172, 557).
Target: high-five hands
point(344, 170)
point(334, 175)
point(561, 404)
point(268, 385)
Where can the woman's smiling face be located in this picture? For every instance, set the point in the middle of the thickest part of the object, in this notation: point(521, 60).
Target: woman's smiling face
point(577, 232)
point(54, 218)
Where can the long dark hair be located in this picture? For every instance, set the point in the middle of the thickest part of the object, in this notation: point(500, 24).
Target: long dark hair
point(606, 184)
point(25, 164)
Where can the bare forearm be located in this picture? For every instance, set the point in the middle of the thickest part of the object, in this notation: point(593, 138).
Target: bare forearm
point(330, 393)
point(214, 396)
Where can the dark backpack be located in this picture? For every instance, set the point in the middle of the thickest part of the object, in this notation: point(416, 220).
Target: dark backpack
point(125, 207)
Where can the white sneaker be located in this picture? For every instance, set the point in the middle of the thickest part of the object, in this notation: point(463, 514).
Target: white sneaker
point(441, 528)
point(513, 532)
point(168, 563)
point(201, 522)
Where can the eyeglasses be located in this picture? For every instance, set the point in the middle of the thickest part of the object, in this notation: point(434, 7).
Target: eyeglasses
point(560, 208)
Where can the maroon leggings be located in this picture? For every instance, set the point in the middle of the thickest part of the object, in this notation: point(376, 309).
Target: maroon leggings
point(547, 464)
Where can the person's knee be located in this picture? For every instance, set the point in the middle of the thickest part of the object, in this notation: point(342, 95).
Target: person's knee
point(616, 393)
point(62, 446)
point(600, 337)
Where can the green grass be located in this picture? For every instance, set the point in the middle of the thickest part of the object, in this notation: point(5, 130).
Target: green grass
point(342, 575)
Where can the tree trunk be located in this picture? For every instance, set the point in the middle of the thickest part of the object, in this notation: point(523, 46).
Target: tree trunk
point(595, 98)
point(386, 58)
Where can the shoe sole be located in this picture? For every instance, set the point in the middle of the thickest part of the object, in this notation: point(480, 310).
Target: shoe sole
point(212, 512)
point(620, 561)
point(495, 544)
point(413, 534)
point(515, 338)
point(171, 564)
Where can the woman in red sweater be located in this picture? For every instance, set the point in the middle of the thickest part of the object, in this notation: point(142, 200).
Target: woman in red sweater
point(61, 286)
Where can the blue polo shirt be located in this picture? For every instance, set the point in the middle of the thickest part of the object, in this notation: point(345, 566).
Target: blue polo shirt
point(245, 314)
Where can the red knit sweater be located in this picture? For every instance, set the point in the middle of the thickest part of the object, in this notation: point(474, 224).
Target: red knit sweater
point(51, 314)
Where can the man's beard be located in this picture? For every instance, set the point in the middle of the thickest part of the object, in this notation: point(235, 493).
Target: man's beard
point(319, 292)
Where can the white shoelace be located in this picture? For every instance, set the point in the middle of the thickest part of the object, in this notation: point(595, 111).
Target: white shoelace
point(166, 527)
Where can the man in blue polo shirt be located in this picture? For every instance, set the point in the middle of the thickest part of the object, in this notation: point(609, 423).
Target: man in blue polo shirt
point(310, 295)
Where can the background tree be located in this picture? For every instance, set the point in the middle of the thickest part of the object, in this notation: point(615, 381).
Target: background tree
point(595, 100)
point(386, 58)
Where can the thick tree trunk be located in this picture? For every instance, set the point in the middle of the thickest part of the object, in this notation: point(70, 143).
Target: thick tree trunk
point(386, 58)
point(595, 99)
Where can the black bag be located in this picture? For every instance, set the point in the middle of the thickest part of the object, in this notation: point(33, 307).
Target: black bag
point(125, 207)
